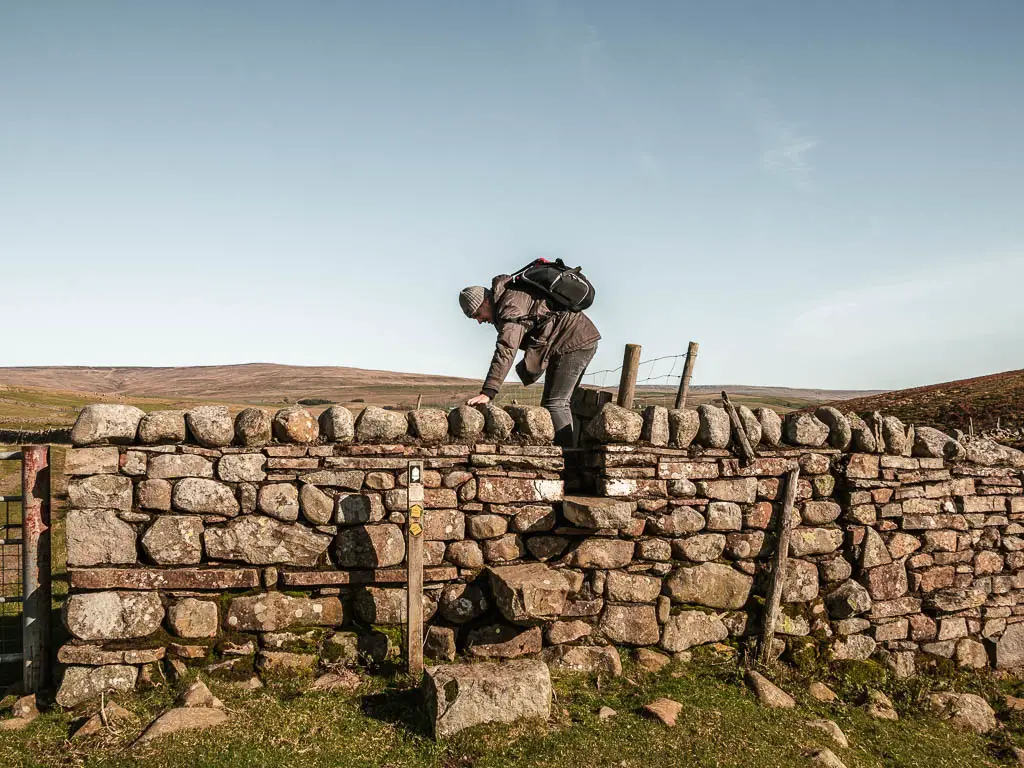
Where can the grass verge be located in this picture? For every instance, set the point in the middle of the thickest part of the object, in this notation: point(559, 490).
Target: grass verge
point(383, 724)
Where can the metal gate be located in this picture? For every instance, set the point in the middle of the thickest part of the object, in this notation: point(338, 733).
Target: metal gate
point(25, 567)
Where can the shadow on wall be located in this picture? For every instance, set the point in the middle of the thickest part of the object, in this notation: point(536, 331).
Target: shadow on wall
point(370, 546)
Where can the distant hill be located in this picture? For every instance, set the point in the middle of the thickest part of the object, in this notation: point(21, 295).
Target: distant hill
point(42, 397)
point(37, 398)
point(256, 382)
point(987, 400)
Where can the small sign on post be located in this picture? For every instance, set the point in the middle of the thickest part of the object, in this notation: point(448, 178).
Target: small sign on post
point(414, 562)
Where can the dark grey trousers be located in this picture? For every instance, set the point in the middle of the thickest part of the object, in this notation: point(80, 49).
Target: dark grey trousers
point(563, 375)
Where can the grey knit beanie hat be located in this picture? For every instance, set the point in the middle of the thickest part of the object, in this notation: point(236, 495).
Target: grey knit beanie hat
point(471, 298)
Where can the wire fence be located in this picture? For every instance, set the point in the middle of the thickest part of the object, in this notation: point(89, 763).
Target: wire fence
point(657, 381)
point(657, 384)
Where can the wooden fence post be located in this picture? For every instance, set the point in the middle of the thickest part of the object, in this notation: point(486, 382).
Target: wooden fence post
point(739, 431)
point(684, 383)
point(627, 382)
point(414, 562)
point(785, 530)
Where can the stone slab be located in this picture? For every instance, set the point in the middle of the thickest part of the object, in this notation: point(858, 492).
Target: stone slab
point(369, 576)
point(172, 578)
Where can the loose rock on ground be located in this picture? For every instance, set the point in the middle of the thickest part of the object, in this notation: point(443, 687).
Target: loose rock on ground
point(665, 710)
point(767, 692)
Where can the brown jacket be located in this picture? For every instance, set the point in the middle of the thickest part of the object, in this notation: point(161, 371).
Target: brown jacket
point(529, 324)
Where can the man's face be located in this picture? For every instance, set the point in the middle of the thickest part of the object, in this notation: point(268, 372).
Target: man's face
point(485, 314)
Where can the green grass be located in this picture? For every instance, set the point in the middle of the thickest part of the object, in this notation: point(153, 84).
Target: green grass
point(33, 409)
point(383, 725)
point(10, 473)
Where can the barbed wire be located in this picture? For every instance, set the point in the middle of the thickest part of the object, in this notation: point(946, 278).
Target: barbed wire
point(642, 362)
point(662, 372)
point(600, 378)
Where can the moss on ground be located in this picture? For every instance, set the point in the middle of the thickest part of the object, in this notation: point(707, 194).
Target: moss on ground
point(241, 668)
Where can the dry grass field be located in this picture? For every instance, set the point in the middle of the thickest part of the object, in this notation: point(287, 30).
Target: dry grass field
point(985, 400)
point(38, 398)
point(42, 398)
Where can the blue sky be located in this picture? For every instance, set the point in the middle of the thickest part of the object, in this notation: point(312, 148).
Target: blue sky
point(822, 194)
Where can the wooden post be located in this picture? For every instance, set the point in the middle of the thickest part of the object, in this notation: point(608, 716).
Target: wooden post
point(419, 401)
point(785, 529)
point(684, 383)
point(739, 431)
point(414, 561)
point(627, 383)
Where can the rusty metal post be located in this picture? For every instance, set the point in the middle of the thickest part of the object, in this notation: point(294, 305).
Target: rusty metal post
point(35, 554)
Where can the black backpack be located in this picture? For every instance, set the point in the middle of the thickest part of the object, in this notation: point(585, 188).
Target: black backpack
point(565, 288)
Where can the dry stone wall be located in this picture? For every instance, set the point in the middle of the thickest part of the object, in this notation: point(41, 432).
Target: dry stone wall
point(275, 542)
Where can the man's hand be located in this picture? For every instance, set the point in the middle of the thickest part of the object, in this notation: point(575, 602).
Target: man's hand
point(478, 400)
